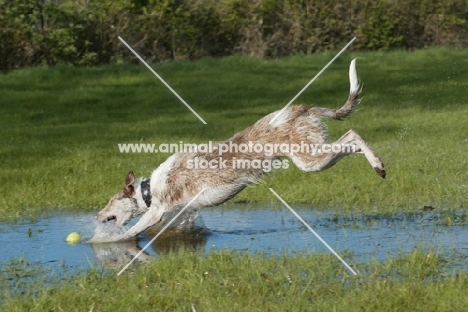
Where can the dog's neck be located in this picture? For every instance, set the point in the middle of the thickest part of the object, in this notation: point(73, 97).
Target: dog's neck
point(146, 191)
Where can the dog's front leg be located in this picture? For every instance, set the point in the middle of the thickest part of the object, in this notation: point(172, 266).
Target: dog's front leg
point(151, 217)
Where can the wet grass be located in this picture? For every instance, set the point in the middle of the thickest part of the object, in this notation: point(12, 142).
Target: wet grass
point(225, 281)
point(61, 127)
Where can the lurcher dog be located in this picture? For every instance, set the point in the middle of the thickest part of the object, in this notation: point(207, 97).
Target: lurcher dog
point(177, 180)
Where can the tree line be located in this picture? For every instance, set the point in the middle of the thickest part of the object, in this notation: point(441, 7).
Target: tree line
point(85, 32)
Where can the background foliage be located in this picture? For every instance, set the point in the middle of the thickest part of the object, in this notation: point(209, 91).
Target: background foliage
point(85, 32)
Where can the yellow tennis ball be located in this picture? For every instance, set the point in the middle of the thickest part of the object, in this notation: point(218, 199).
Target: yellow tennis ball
point(73, 238)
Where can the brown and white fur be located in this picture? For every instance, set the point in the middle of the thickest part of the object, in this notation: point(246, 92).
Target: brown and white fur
point(173, 184)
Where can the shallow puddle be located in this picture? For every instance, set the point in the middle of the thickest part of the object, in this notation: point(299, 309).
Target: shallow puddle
point(271, 230)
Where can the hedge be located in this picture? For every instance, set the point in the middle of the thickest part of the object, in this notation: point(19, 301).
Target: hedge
point(86, 32)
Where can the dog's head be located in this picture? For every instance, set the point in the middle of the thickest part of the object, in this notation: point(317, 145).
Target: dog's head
point(125, 205)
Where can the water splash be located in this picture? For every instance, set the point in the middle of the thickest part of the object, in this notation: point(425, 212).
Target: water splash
point(106, 232)
point(187, 222)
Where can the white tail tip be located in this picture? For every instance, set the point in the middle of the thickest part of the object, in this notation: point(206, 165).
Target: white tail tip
point(353, 78)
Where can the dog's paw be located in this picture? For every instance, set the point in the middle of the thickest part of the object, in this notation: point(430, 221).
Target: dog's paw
point(381, 172)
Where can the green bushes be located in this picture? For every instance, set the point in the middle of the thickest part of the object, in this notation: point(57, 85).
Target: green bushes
point(85, 32)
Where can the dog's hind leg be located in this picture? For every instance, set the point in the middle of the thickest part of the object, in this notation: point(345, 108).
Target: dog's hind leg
point(325, 156)
point(354, 139)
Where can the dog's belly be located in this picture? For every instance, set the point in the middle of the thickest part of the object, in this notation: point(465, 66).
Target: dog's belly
point(214, 196)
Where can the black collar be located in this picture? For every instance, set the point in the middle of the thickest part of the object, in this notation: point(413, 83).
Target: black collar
point(146, 191)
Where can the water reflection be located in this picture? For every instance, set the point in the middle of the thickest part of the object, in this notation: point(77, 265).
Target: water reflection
point(117, 255)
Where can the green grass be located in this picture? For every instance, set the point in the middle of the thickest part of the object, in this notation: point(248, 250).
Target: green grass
point(224, 281)
point(61, 127)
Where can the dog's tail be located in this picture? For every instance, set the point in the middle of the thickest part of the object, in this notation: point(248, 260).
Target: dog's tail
point(351, 103)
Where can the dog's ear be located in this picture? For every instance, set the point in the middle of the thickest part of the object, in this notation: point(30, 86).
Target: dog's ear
point(129, 189)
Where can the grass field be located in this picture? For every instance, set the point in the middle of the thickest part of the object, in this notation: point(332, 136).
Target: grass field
point(60, 132)
point(224, 281)
point(62, 125)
